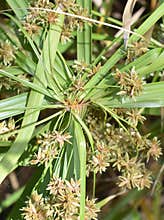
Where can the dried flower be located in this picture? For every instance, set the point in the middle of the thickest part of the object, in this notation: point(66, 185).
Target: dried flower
point(80, 67)
point(94, 70)
point(7, 53)
point(65, 4)
point(56, 186)
point(138, 177)
point(134, 117)
point(124, 151)
point(124, 161)
point(91, 212)
point(52, 18)
point(38, 18)
point(124, 181)
point(67, 199)
point(62, 203)
point(5, 127)
point(66, 34)
point(154, 149)
point(130, 83)
point(79, 23)
point(31, 28)
point(99, 161)
point(45, 155)
point(145, 181)
point(136, 49)
point(36, 208)
point(78, 85)
point(50, 145)
point(99, 164)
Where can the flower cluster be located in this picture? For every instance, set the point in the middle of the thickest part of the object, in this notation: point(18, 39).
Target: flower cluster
point(39, 17)
point(62, 203)
point(154, 150)
point(65, 4)
point(50, 145)
point(7, 84)
point(83, 72)
point(135, 175)
point(136, 49)
point(7, 126)
point(71, 23)
point(37, 208)
point(130, 83)
point(7, 53)
point(100, 160)
point(82, 68)
point(132, 116)
point(125, 151)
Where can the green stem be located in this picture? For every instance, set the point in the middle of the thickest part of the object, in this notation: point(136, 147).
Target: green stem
point(88, 34)
point(84, 42)
point(84, 37)
point(94, 184)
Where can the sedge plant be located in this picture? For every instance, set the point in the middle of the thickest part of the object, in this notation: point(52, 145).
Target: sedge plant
point(73, 118)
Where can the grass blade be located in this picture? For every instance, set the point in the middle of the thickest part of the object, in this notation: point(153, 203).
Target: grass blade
point(12, 106)
point(82, 154)
point(16, 5)
point(151, 97)
point(84, 37)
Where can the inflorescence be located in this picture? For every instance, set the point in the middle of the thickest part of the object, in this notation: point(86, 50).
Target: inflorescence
point(62, 203)
point(39, 16)
point(127, 151)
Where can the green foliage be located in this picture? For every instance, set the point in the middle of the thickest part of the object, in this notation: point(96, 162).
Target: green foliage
point(95, 106)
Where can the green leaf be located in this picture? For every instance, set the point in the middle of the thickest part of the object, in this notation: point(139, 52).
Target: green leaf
point(151, 97)
point(156, 65)
point(12, 106)
point(104, 201)
point(145, 62)
point(11, 199)
point(84, 37)
point(81, 143)
point(76, 152)
point(83, 125)
point(25, 62)
point(19, 7)
point(15, 70)
point(37, 86)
